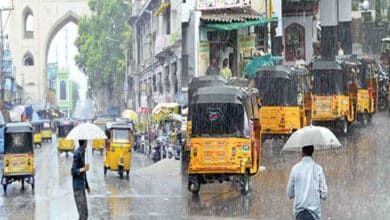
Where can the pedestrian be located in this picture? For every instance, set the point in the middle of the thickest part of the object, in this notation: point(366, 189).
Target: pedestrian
point(213, 69)
point(80, 183)
point(225, 71)
point(307, 186)
point(340, 51)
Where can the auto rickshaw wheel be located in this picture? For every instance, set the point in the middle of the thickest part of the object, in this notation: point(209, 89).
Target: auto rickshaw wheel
point(105, 170)
point(5, 188)
point(93, 151)
point(121, 172)
point(194, 185)
point(22, 184)
point(127, 174)
point(365, 119)
point(101, 151)
point(244, 184)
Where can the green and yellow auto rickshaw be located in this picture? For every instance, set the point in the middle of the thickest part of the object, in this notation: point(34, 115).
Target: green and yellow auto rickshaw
point(37, 127)
point(64, 145)
point(46, 132)
point(118, 149)
point(18, 162)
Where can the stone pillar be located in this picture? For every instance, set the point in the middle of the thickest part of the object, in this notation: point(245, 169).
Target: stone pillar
point(329, 34)
point(345, 25)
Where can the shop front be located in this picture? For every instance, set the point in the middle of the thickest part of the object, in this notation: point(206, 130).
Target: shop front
point(231, 36)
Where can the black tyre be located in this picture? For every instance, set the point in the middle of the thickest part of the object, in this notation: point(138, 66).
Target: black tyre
point(101, 151)
point(105, 170)
point(128, 174)
point(342, 127)
point(194, 186)
point(365, 119)
point(22, 184)
point(5, 188)
point(93, 151)
point(244, 184)
point(121, 172)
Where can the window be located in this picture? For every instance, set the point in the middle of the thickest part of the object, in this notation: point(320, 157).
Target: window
point(28, 59)
point(63, 90)
point(28, 23)
point(295, 42)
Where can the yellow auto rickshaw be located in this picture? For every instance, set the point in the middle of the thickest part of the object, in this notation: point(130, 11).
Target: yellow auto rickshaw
point(99, 144)
point(64, 145)
point(118, 148)
point(18, 162)
point(37, 127)
point(282, 92)
point(46, 132)
point(225, 141)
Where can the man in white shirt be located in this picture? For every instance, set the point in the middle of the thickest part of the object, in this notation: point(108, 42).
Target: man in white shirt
point(307, 186)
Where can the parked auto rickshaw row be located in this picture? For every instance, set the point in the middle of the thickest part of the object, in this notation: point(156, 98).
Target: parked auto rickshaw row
point(227, 120)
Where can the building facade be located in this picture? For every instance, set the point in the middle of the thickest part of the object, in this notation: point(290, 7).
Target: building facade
point(155, 70)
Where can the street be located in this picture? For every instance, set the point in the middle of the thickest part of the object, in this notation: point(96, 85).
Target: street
point(357, 178)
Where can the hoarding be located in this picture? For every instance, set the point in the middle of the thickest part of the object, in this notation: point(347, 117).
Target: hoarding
point(220, 4)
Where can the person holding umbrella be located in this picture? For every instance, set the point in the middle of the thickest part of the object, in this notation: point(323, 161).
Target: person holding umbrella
point(80, 183)
point(307, 185)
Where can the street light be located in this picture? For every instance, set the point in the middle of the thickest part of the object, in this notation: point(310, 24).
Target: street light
point(126, 69)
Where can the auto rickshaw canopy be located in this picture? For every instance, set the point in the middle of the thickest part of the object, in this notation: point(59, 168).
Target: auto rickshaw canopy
point(18, 138)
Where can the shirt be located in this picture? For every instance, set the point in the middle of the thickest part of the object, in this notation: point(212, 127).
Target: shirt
point(226, 72)
point(307, 186)
point(79, 179)
point(212, 70)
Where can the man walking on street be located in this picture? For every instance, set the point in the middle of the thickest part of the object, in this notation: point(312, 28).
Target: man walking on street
point(80, 183)
point(307, 186)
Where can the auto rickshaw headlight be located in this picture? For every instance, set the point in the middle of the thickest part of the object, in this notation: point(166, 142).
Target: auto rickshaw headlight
point(112, 149)
point(233, 151)
point(28, 161)
point(7, 163)
point(121, 160)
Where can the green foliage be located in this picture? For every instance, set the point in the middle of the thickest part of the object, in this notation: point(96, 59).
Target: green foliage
point(101, 59)
point(75, 93)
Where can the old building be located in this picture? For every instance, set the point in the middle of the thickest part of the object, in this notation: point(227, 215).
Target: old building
point(155, 68)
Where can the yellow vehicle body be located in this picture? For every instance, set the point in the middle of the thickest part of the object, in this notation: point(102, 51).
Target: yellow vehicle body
point(46, 134)
point(18, 164)
point(65, 145)
point(331, 108)
point(98, 145)
point(222, 156)
point(365, 103)
point(281, 120)
point(37, 138)
point(118, 151)
point(18, 161)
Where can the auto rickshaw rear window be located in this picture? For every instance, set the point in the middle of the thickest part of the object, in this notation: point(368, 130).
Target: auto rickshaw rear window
point(329, 82)
point(219, 119)
point(18, 143)
point(121, 136)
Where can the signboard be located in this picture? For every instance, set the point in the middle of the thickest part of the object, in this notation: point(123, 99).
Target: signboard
point(204, 57)
point(52, 69)
point(220, 4)
point(246, 44)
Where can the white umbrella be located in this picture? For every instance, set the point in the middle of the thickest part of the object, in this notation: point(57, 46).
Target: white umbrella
point(86, 131)
point(320, 137)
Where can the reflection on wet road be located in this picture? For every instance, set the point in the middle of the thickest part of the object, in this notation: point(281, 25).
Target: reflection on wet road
point(357, 177)
point(111, 198)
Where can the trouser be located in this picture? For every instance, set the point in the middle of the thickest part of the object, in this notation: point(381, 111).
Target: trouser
point(81, 203)
point(304, 215)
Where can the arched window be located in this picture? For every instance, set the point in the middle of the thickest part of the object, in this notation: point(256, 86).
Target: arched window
point(295, 42)
point(63, 90)
point(28, 23)
point(28, 59)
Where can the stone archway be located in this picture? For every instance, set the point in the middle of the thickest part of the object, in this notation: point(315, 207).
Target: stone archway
point(48, 19)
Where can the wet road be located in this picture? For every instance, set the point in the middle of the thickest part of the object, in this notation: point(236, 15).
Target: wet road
point(358, 178)
point(140, 197)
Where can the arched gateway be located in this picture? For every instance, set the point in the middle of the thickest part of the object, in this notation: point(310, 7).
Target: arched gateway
point(32, 27)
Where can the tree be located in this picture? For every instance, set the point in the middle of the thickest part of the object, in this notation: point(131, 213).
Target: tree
point(101, 59)
point(75, 94)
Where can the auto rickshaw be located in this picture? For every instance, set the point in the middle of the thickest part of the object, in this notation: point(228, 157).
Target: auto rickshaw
point(118, 148)
point(46, 132)
point(37, 127)
point(99, 144)
point(64, 145)
point(18, 162)
point(194, 85)
point(334, 94)
point(225, 142)
point(282, 91)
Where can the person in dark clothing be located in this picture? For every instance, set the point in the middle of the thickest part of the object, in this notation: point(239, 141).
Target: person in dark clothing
point(80, 183)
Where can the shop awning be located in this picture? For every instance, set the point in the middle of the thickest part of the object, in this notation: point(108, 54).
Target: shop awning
point(240, 25)
point(161, 9)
